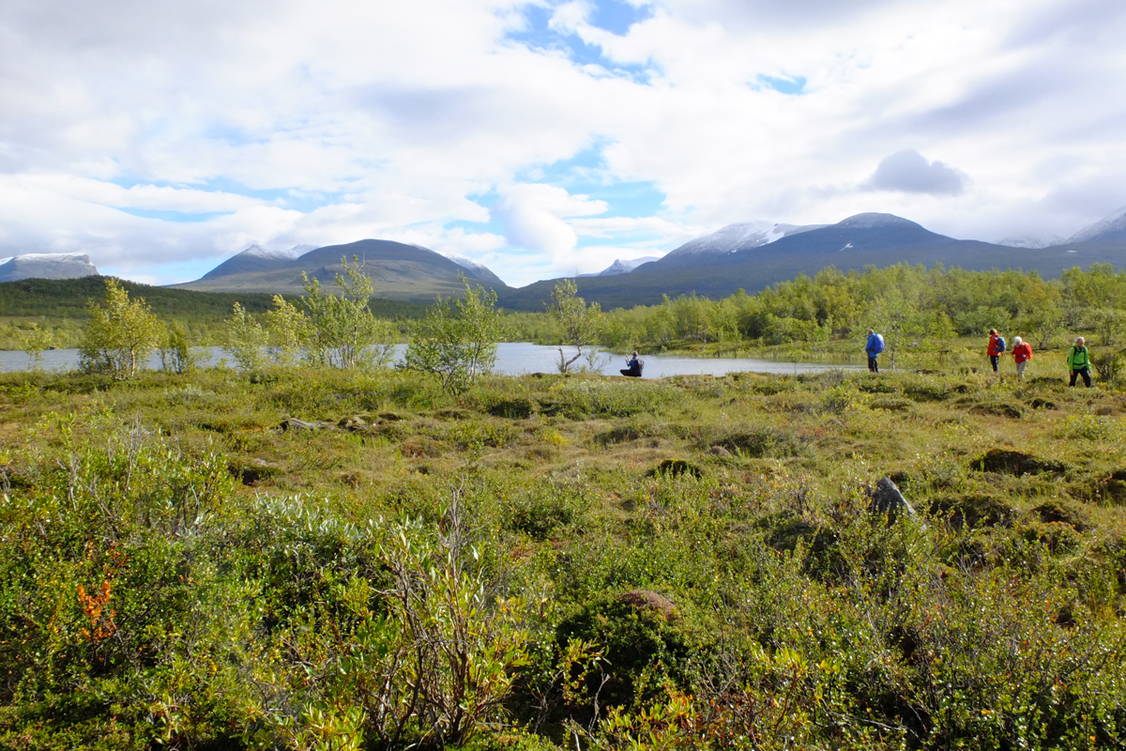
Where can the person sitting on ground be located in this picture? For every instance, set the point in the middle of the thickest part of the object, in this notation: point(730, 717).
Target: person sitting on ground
point(1022, 353)
point(633, 366)
point(995, 348)
point(1079, 361)
point(873, 347)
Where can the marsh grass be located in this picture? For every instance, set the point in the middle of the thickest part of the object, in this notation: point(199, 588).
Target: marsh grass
point(179, 571)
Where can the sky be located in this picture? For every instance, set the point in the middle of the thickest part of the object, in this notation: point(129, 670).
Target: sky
point(545, 138)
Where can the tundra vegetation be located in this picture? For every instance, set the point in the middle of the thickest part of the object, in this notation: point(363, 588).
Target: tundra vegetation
point(311, 557)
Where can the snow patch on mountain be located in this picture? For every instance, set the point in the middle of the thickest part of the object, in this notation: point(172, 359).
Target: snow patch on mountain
point(741, 236)
point(467, 263)
point(623, 266)
point(275, 254)
point(1033, 242)
point(1113, 226)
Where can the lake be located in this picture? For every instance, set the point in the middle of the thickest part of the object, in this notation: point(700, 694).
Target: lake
point(513, 358)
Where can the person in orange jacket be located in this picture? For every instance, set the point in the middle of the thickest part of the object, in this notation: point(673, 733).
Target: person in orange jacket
point(995, 348)
point(1022, 353)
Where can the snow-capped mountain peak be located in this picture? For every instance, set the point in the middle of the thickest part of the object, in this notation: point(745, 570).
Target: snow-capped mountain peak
point(1113, 225)
point(623, 266)
point(740, 236)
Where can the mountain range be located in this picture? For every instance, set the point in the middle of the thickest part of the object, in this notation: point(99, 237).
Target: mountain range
point(398, 270)
point(753, 256)
point(747, 256)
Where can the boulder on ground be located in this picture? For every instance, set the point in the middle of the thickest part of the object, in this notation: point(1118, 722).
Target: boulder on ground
point(887, 499)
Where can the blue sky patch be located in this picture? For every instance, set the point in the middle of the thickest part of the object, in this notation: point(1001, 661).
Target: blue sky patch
point(782, 84)
point(609, 14)
point(166, 215)
point(617, 16)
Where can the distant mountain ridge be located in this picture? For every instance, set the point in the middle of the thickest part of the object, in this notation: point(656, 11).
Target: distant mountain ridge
point(399, 271)
point(737, 258)
point(46, 266)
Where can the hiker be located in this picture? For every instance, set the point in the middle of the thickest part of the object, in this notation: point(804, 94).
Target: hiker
point(995, 348)
point(1079, 361)
point(874, 346)
point(1022, 353)
point(633, 366)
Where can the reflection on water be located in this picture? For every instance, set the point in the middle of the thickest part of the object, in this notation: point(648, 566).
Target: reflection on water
point(513, 358)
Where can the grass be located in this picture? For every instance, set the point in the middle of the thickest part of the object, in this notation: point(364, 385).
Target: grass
point(679, 563)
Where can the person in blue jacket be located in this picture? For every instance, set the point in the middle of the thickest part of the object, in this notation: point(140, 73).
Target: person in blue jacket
point(633, 366)
point(874, 346)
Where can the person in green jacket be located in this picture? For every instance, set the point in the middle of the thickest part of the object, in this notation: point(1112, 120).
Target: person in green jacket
point(1079, 360)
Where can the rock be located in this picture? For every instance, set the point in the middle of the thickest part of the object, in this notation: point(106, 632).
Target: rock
point(887, 499)
point(292, 423)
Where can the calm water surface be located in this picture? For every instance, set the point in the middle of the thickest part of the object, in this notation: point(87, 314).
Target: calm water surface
point(513, 358)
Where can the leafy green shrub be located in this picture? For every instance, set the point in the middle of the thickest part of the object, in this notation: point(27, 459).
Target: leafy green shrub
point(639, 633)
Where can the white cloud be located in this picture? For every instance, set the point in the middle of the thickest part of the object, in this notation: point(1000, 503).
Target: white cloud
point(535, 217)
point(401, 116)
point(910, 172)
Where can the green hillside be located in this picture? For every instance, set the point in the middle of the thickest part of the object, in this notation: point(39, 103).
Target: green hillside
point(67, 298)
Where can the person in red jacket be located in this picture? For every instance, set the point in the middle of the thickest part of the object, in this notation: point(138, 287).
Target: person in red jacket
point(1022, 353)
point(995, 348)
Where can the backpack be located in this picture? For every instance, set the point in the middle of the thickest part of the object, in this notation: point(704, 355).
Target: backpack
point(1000, 344)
